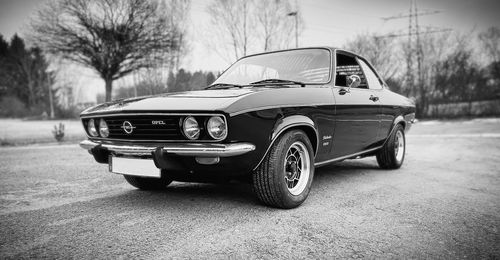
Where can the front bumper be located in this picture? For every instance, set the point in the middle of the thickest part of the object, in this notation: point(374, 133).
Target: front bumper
point(196, 150)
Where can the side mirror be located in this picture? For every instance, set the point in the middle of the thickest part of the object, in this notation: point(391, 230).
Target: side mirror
point(353, 81)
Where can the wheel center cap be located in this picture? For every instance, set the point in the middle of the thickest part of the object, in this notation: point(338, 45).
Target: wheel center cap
point(292, 170)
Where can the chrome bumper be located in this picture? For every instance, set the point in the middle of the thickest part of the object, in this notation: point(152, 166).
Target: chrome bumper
point(198, 150)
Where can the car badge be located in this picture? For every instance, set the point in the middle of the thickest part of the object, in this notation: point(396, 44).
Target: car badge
point(158, 122)
point(127, 127)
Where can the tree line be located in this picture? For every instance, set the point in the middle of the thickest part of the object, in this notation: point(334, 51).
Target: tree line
point(25, 82)
point(143, 42)
point(182, 80)
point(141, 45)
point(455, 67)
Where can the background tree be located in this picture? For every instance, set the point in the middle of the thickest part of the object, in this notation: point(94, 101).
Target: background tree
point(378, 51)
point(4, 50)
point(490, 40)
point(210, 78)
point(113, 37)
point(435, 48)
point(242, 27)
point(26, 83)
point(459, 79)
point(180, 81)
point(275, 29)
point(184, 81)
point(233, 19)
point(156, 74)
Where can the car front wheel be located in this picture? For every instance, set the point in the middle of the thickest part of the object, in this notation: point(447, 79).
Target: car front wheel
point(284, 177)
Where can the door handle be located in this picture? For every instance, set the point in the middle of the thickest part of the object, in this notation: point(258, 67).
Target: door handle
point(373, 98)
point(344, 91)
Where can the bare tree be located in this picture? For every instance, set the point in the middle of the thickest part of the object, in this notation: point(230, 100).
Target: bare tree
point(435, 47)
point(178, 20)
point(490, 39)
point(156, 75)
point(113, 37)
point(241, 27)
point(378, 51)
point(275, 28)
point(232, 18)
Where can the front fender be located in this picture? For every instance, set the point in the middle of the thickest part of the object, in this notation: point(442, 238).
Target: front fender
point(295, 121)
point(291, 121)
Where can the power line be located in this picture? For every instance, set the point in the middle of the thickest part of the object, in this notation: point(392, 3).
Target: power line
point(414, 48)
point(430, 31)
point(404, 15)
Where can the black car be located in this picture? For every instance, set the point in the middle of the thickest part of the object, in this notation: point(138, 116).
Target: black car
point(270, 118)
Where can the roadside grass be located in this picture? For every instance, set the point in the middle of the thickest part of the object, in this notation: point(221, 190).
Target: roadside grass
point(14, 132)
point(456, 126)
point(17, 132)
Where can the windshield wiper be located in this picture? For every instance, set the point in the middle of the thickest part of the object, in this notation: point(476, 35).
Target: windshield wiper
point(223, 86)
point(278, 81)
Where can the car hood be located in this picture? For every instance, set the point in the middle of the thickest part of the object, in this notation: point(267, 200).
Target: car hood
point(224, 100)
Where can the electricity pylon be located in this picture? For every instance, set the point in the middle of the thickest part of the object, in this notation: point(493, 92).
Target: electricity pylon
point(414, 50)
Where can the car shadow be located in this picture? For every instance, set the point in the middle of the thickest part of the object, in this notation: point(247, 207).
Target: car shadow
point(335, 173)
point(185, 195)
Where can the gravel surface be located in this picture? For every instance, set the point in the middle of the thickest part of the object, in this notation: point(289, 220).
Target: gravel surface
point(56, 202)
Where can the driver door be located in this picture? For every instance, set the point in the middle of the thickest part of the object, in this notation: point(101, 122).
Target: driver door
point(357, 110)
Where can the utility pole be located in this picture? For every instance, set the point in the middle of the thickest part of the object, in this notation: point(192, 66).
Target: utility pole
point(296, 27)
point(415, 54)
point(415, 51)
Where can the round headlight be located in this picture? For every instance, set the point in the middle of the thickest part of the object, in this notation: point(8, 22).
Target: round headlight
point(91, 128)
point(103, 128)
point(217, 128)
point(190, 128)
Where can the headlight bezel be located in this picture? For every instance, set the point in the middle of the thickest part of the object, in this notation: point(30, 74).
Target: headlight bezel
point(184, 131)
point(101, 127)
point(92, 129)
point(221, 121)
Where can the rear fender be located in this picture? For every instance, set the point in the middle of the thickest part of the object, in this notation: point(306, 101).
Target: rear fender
point(399, 120)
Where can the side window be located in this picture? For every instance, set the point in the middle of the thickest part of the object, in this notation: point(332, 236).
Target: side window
point(371, 77)
point(346, 66)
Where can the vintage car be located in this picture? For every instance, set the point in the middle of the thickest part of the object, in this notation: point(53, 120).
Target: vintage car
point(270, 118)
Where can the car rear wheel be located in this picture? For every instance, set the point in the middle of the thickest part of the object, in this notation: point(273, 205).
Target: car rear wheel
point(284, 177)
point(148, 183)
point(392, 154)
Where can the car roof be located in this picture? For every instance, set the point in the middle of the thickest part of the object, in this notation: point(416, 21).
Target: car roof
point(331, 49)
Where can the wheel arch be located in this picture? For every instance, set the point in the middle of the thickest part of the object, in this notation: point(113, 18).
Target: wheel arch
point(286, 124)
point(399, 120)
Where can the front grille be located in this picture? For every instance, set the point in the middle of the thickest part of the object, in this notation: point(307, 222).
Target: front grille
point(145, 129)
point(165, 127)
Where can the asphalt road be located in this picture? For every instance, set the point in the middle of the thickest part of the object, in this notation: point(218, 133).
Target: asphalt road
point(55, 202)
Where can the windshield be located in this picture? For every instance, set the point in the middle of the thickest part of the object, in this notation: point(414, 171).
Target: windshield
point(310, 66)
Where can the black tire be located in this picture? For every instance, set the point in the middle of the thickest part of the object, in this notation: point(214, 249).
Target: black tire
point(269, 180)
point(144, 183)
point(388, 157)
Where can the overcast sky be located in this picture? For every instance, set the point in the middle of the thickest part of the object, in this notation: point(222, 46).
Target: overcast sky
point(326, 22)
